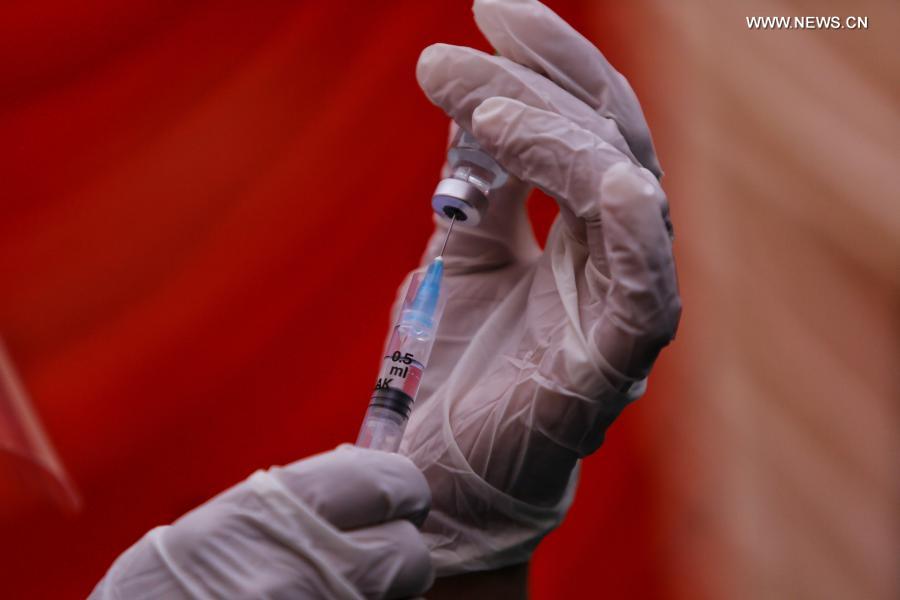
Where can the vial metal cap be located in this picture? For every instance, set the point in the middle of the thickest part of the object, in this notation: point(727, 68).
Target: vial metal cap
point(460, 199)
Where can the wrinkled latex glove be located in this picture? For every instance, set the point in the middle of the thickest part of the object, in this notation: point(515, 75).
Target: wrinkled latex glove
point(336, 525)
point(538, 351)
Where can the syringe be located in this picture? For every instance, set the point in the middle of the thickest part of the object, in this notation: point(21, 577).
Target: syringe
point(405, 359)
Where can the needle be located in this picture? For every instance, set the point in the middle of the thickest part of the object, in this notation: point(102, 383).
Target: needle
point(447, 237)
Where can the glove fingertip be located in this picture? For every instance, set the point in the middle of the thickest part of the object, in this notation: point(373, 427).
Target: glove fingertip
point(492, 117)
point(489, 121)
point(488, 109)
point(625, 184)
point(427, 57)
point(434, 66)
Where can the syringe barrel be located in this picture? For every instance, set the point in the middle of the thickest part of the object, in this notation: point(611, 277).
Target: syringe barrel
point(402, 368)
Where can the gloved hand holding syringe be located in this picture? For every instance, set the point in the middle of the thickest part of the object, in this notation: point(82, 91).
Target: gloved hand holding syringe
point(462, 198)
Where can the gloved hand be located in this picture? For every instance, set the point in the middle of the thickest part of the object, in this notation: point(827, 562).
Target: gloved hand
point(538, 351)
point(336, 525)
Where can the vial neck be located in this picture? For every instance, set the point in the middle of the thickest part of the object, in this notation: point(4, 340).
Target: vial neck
point(479, 177)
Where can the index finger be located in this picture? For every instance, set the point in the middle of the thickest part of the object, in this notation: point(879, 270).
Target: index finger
point(529, 33)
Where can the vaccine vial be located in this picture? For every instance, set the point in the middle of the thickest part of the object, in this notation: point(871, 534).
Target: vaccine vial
point(473, 174)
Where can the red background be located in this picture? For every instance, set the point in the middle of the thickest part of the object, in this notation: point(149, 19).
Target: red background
point(194, 195)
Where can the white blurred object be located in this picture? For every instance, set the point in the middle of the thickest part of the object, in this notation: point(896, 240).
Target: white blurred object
point(31, 464)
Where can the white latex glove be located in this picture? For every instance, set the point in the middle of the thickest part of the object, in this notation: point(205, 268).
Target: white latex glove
point(336, 525)
point(538, 351)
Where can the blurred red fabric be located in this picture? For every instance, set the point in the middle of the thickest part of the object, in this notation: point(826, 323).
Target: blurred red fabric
point(194, 195)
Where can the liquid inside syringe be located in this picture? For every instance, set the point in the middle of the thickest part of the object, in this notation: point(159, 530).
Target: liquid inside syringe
point(404, 361)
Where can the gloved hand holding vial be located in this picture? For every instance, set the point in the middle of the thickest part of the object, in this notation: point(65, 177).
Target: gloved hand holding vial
point(539, 349)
